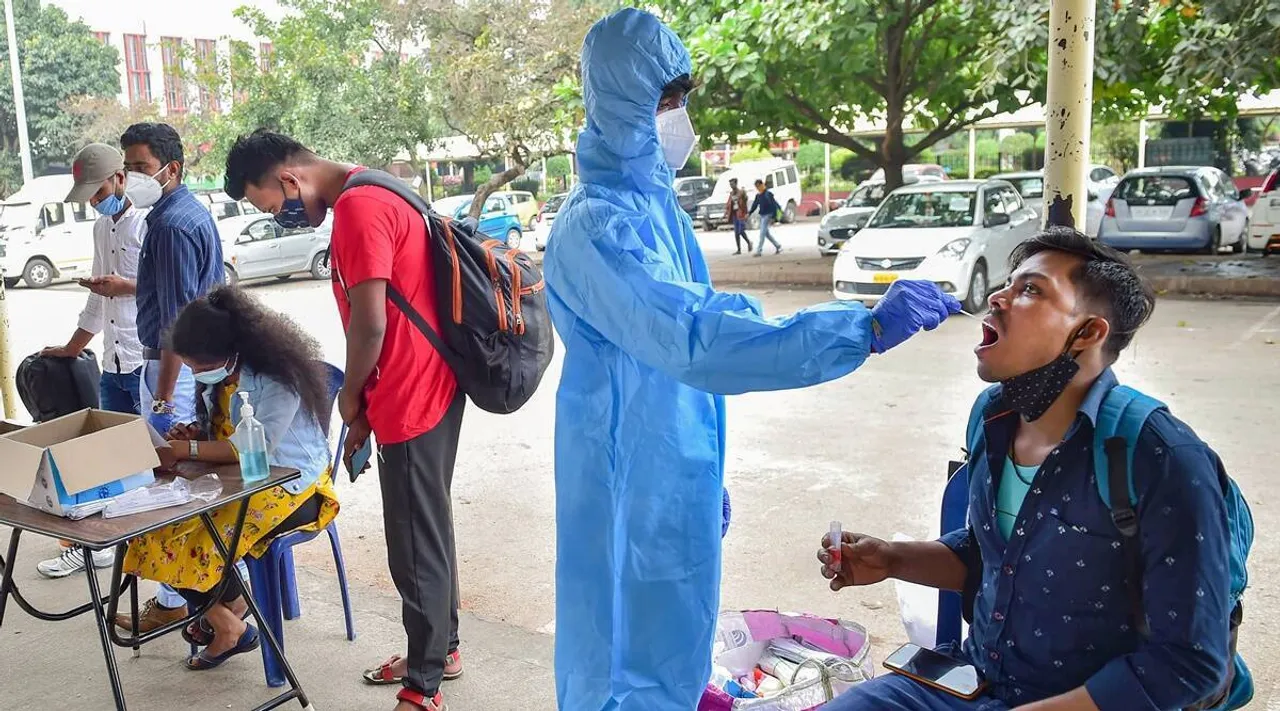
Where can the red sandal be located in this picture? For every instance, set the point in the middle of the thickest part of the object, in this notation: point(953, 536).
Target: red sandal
point(381, 675)
point(435, 703)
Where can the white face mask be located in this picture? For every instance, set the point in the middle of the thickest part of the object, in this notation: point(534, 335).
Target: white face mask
point(675, 134)
point(144, 190)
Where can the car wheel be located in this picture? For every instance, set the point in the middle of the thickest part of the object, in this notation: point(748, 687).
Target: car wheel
point(38, 274)
point(976, 299)
point(1215, 243)
point(533, 223)
point(320, 268)
point(229, 276)
point(513, 238)
point(708, 226)
point(789, 214)
point(1242, 247)
point(11, 283)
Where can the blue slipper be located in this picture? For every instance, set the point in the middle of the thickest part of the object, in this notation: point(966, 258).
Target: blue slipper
point(203, 661)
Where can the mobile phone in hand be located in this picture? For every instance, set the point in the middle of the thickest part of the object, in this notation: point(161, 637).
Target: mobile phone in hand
point(359, 461)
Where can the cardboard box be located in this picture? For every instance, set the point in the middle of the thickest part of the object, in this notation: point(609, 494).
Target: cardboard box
point(82, 457)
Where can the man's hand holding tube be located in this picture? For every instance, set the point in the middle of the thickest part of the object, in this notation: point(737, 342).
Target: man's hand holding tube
point(906, 308)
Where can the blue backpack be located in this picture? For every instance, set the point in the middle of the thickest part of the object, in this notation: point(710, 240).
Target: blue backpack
point(1121, 418)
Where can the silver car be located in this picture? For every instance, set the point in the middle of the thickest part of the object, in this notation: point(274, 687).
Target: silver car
point(256, 247)
point(1177, 208)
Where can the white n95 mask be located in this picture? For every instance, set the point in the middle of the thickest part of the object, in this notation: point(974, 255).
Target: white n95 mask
point(675, 134)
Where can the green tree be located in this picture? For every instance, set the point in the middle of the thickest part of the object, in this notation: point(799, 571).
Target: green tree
point(504, 75)
point(942, 64)
point(811, 156)
point(344, 78)
point(744, 155)
point(61, 62)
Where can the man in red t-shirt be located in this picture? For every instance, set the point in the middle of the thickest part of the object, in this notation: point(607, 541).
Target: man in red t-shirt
point(397, 385)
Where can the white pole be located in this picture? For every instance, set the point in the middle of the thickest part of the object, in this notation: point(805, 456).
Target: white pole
point(728, 154)
point(544, 176)
point(20, 105)
point(973, 153)
point(573, 169)
point(826, 177)
point(431, 194)
point(1069, 112)
point(1142, 143)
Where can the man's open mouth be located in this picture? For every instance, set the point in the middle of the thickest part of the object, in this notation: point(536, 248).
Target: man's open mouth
point(990, 336)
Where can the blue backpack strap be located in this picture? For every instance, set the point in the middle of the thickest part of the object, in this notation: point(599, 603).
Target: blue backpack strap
point(973, 433)
point(1121, 417)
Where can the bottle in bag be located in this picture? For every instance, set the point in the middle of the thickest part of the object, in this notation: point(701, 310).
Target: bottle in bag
point(251, 441)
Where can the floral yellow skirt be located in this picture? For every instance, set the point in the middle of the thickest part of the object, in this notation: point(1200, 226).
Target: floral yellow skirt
point(184, 556)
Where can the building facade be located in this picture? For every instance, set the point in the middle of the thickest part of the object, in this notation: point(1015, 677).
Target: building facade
point(165, 44)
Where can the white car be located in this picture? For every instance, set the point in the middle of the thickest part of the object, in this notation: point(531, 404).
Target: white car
point(1030, 185)
point(1264, 221)
point(958, 234)
point(42, 238)
point(852, 215)
point(256, 246)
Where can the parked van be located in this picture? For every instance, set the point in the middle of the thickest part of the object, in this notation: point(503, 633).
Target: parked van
point(781, 177)
point(42, 238)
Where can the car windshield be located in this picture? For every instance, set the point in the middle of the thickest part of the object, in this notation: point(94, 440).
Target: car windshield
point(1030, 187)
point(1155, 190)
point(554, 203)
point(18, 216)
point(925, 210)
point(449, 206)
point(866, 196)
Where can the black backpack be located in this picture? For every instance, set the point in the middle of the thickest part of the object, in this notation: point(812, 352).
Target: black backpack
point(52, 387)
point(495, 331)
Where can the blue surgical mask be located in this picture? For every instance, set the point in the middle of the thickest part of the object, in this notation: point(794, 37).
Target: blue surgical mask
point(293, 213)
point(110, 206)
point(217, 375)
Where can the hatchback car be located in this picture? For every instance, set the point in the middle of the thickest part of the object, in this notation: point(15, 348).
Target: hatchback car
point(498, 220)
point(1177, 208)
point(256, 247)
point(957, 234)
point(523, 203)
point(545, 218)
point(852, 215)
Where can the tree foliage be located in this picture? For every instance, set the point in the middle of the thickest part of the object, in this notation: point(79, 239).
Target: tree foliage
point(935, 65)
point(502, 72)
point(61, 62)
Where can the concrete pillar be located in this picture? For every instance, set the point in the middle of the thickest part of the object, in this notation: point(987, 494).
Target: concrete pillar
point(1068, 111)
point(826, 178)
point(973, 153)
point(1142, 143)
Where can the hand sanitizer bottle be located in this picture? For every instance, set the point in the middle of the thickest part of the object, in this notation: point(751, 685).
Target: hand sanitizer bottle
point(251, 441)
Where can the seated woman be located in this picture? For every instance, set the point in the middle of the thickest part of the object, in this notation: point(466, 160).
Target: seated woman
point(233, 344)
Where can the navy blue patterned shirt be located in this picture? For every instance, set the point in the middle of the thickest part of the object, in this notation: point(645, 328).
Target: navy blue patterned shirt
point(1051, 607)
point(181, 261)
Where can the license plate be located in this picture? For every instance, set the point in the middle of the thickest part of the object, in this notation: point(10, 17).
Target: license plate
point(1151, 213)
point(884, 278)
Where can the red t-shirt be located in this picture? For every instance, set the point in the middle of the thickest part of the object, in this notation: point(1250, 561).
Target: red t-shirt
point(377, 235)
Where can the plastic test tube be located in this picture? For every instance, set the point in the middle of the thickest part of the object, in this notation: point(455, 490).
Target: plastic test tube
point(836, 542)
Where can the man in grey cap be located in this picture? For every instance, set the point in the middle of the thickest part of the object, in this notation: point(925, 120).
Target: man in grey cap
point(100, 180)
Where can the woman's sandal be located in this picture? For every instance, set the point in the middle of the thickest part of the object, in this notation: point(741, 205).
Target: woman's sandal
point(200, 633)
point(381, 675)
point(203, 661)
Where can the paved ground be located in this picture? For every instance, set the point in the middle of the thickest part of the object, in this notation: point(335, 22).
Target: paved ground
point(800, 265)
point(869, 451)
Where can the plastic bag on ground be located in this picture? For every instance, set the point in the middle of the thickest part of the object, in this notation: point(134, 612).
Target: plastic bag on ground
point(918, 606)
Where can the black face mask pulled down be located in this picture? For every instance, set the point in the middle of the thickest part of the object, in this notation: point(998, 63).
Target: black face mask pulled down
point(1032, 393)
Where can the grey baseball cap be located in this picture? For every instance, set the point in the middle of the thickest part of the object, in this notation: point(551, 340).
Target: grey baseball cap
point(94, 164)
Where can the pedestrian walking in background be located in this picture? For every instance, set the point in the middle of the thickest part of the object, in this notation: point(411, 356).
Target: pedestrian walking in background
point(769, 209)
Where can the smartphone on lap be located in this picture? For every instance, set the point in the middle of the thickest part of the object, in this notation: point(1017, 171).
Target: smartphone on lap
point(936, 670)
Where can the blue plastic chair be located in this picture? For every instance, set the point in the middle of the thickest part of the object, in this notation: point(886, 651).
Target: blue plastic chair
point(955, 512)
point(272, 576)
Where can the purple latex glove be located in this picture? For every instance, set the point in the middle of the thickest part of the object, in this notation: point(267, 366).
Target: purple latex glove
point(907, 307)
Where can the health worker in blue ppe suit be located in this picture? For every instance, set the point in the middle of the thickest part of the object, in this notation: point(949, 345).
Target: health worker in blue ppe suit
point(650, 351)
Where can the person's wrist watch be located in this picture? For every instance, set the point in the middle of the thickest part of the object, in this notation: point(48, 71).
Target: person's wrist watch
point(194, 449)
point(161, 407)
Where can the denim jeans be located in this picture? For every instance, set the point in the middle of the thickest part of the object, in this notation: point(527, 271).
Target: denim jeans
point(121, 392)
point(184, 397)
point(894, 692)
point(766, 234)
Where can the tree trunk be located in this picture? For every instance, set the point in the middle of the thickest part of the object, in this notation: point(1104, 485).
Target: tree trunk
point(497, 181)
point(893, 151)
point(468, 177)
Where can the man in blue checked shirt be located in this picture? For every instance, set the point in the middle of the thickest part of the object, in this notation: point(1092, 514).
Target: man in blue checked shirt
point(1054, 626)
point(181, 261)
